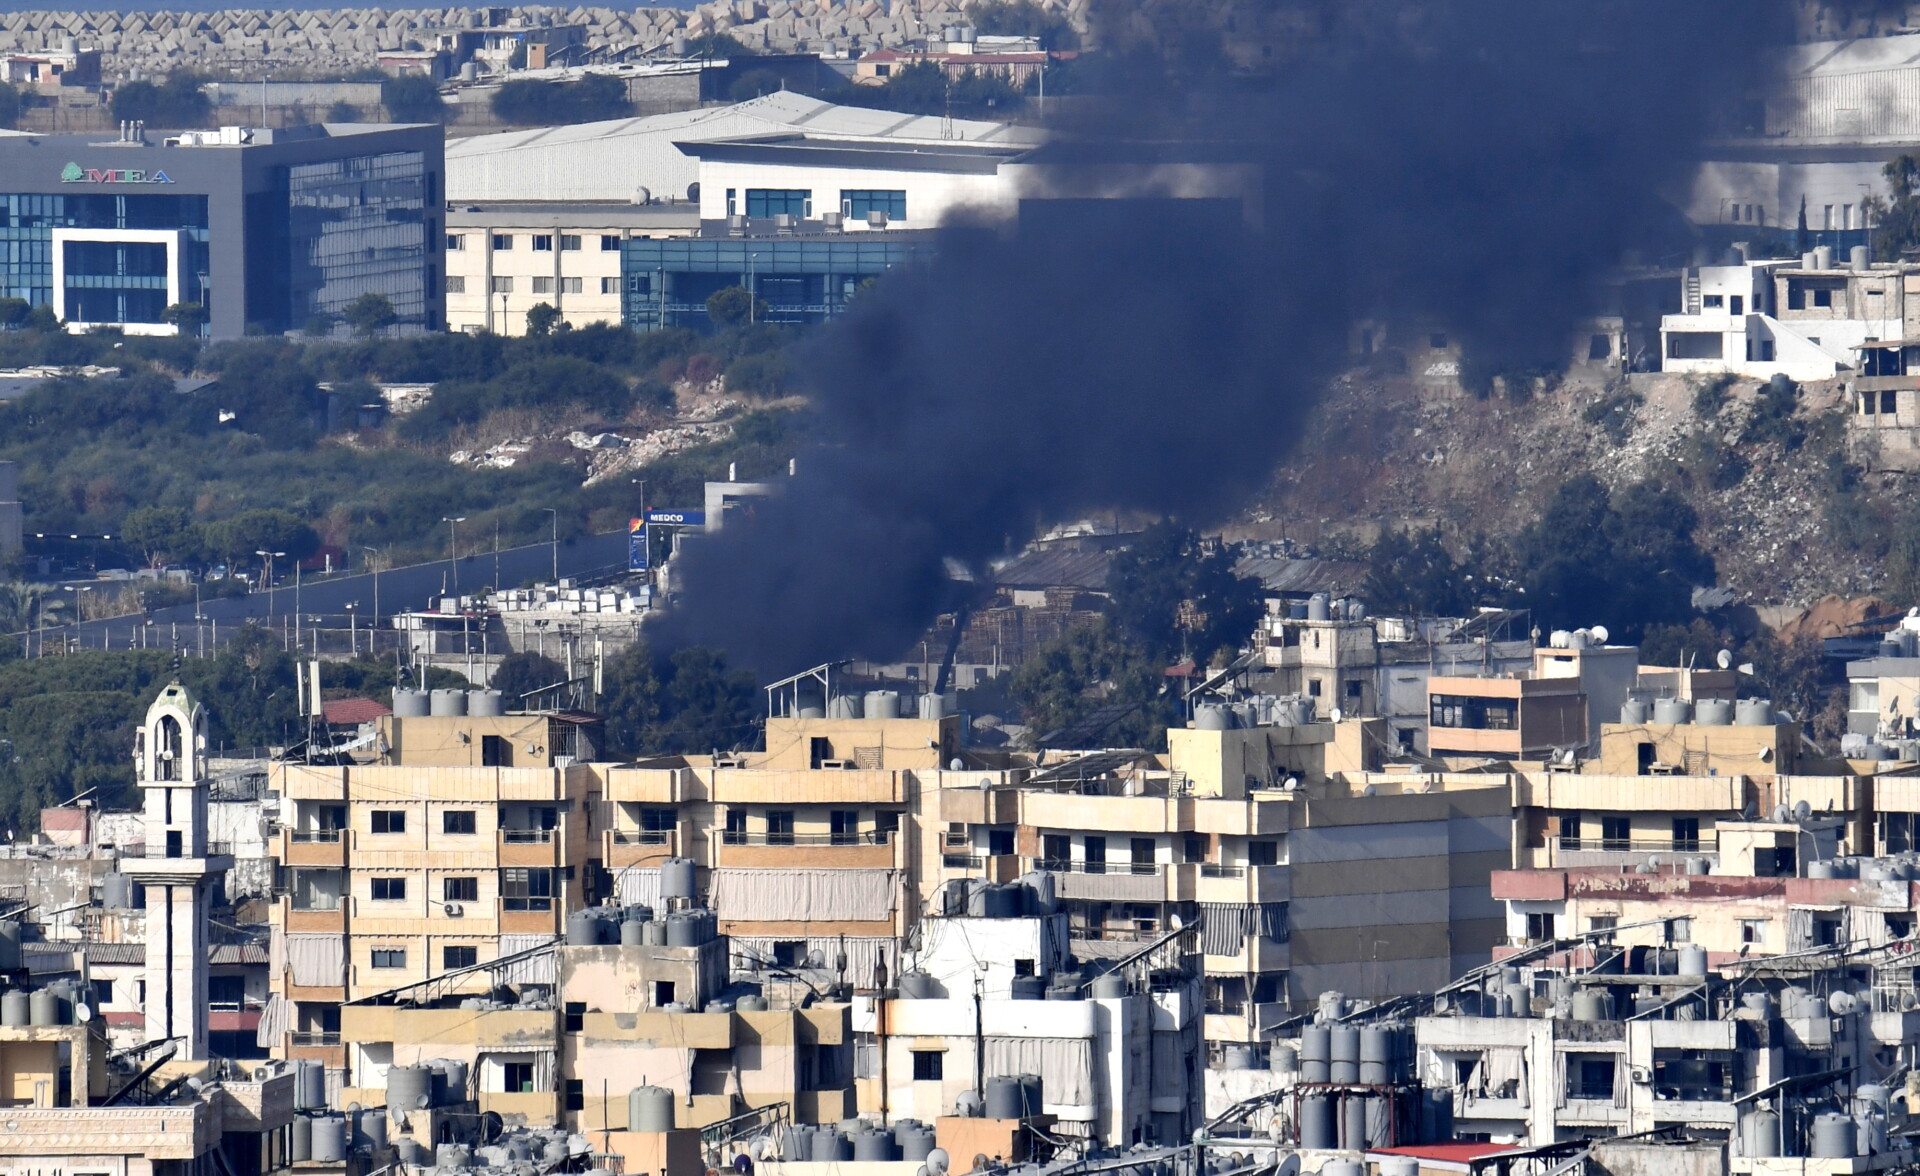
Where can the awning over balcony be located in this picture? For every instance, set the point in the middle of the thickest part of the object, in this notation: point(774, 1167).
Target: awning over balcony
point(805, 896)
point(315, 961)
point(1065, 1066)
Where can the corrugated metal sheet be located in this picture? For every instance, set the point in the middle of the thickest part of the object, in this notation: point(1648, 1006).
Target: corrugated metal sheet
point(1057, 568)
point(1303, 576)
point(1878, 104)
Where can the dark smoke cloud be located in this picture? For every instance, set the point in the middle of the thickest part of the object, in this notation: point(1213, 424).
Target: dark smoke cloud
point(1477, 162)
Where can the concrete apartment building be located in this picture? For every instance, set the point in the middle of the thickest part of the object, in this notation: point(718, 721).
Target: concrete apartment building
point(469, 837)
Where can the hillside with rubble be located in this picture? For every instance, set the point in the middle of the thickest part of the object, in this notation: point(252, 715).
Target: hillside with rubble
point(1797, 497)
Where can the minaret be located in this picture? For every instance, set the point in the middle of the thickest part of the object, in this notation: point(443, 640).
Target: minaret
point(175, 869)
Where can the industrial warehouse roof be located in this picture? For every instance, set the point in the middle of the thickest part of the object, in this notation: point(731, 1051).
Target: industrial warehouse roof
point(1058, 567)
point(611, 161)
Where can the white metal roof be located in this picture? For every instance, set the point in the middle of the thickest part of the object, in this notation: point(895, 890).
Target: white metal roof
point(603, 161)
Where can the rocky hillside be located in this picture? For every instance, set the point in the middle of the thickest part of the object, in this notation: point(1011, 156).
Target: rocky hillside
point(1788, 503)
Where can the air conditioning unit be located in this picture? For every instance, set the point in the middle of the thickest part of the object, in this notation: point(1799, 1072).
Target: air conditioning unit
point(1640, 1075)
point(836, 765)
point(454, 910)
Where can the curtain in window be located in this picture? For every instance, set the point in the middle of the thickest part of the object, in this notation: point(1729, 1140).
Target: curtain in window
point(275, 1019)
point(805, 896)
point(1559, 1079)
point(317, 961)
point(1620, 1081)
point(639, 886)
point(536, 970)
point(1799, 929)
point(1505, 1065)
point(1065, 1065)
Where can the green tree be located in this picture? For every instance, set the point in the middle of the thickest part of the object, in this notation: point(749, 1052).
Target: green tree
point(521, 674)
point(187, 317)
point(731, 305)
point(1093, 677)
point(43, 320)
point(13, 312)
point(161, 533)
point(413, 98)
point(1629, 561)
point(763, 374)
point(9, 106)
point(685, 703)
point(1023, 18)
point(1411, 571)
point(369, 313)
point(1173, 594)
point(1896, 221)
point(238, 537)
point(178, 102)
point(542, 319)
point(717, 46)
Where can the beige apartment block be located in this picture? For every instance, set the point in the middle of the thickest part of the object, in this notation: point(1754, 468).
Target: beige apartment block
point(503, 260)
point(470, 839)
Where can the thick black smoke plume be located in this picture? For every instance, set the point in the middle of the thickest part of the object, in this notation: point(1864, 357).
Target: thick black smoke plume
point(1479, 163)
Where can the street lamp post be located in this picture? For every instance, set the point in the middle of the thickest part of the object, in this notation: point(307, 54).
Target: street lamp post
point(375, 621)
point(556, 542)
point(453, 548)
point(267, 558)
point(353, 629)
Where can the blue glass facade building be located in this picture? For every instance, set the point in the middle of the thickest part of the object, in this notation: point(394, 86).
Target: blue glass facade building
point(802, 278)
point(270, 230)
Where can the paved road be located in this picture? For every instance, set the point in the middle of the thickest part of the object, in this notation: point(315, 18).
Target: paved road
point(400, 590)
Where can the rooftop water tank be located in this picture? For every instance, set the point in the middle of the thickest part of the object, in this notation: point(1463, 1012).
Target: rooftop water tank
point(16, 1008)
point(1283, 1058)
point(1376, 1054)
point(917, 986)
point(1003, 1097)
point(1832, 1137)
point(1109, 986)
point(1210, 716)
point(830, 1147)
point(448, 703)
point(633, 932)
point(650, 1109)
point(1028, 988)
point(302, 1143)
point(1316, 1123)
point(410, 704)
point(1760, 1133)
point(1346, 1053)
point(1590, 1005)
point(677, 878)
point(370, 1130)
point(1713, 712)
point(844, 706)
point(583, 928)
point(486, 703)
point(1753, 712)
point(1635, 712)
point(1316, 1053)
point(1693, 960)
point(933, 707)
point(1237, 1057)
point(1672, 711)
point(330, 1139)
point(872, 1147)
point(883, 704)
point(408, 1088)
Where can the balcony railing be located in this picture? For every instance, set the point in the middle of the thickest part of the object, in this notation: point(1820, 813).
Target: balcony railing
point(315, 836)
point(527, 836)
point(1081, 866)
point(963, 861)
point(868, 837)
point(1585, 1092)
point(1626, 845)
point(642, 836)
point(525, 903)
point(1216, 870)
point(318, 902)
point(312, 1039)
point(143, 850)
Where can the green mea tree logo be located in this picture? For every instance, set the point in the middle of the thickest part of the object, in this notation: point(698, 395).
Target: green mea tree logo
point(72, 173)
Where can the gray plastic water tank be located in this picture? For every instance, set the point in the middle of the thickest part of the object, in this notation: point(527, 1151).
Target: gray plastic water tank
point(1672, 711)
point(447, 703)
point(933, 707)
point(1590, 1005)
point(915, 1144)
point(1317, 1131)
point(583, 928)
point(677, 878)
point(1283, 1058)
point(1693, 960)
point(1760, 1133)
point(329, 1139)
point(1316, 1053)
point(883, 704)
point(1832, 1137)
point(43, 1007)
point(411, 704)
point(844, 706)
point(683, 930)
point(1028, 988)
point(633, 932)
point(872, 1147)
point(309, 1085)
point(917, 986)
point(830, 1147)
point(302, 1143)
point(1634, 712)
point(650, 1109)
point(16, 1008)
point(1376, 1055)
point(1353, 1123)
point(1753, 712)
point(751, 1003)
point(408, 1088)
point(655, 934)
point(1713, 712)
point(1319, 607)
point(370, 1130)
point(116, 891)
point(9, 945)
point(1237, 1057)
point(486, 703)
point(1109, 986)
point(1346, 1054)
point(1212, 717)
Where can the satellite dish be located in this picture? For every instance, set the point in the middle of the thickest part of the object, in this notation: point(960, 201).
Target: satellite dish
point(1747, 668)
point(1766, 754)
point(353, 1108)
point(1176, 920)
point(1336, 714)
point(1724, 658)
point(422, 1102)
point(937, 1161)
point(1599, 633)
point(82, 1013)
point(1802, 811)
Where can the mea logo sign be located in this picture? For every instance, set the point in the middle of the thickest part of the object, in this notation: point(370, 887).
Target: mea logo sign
point(73, 173)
